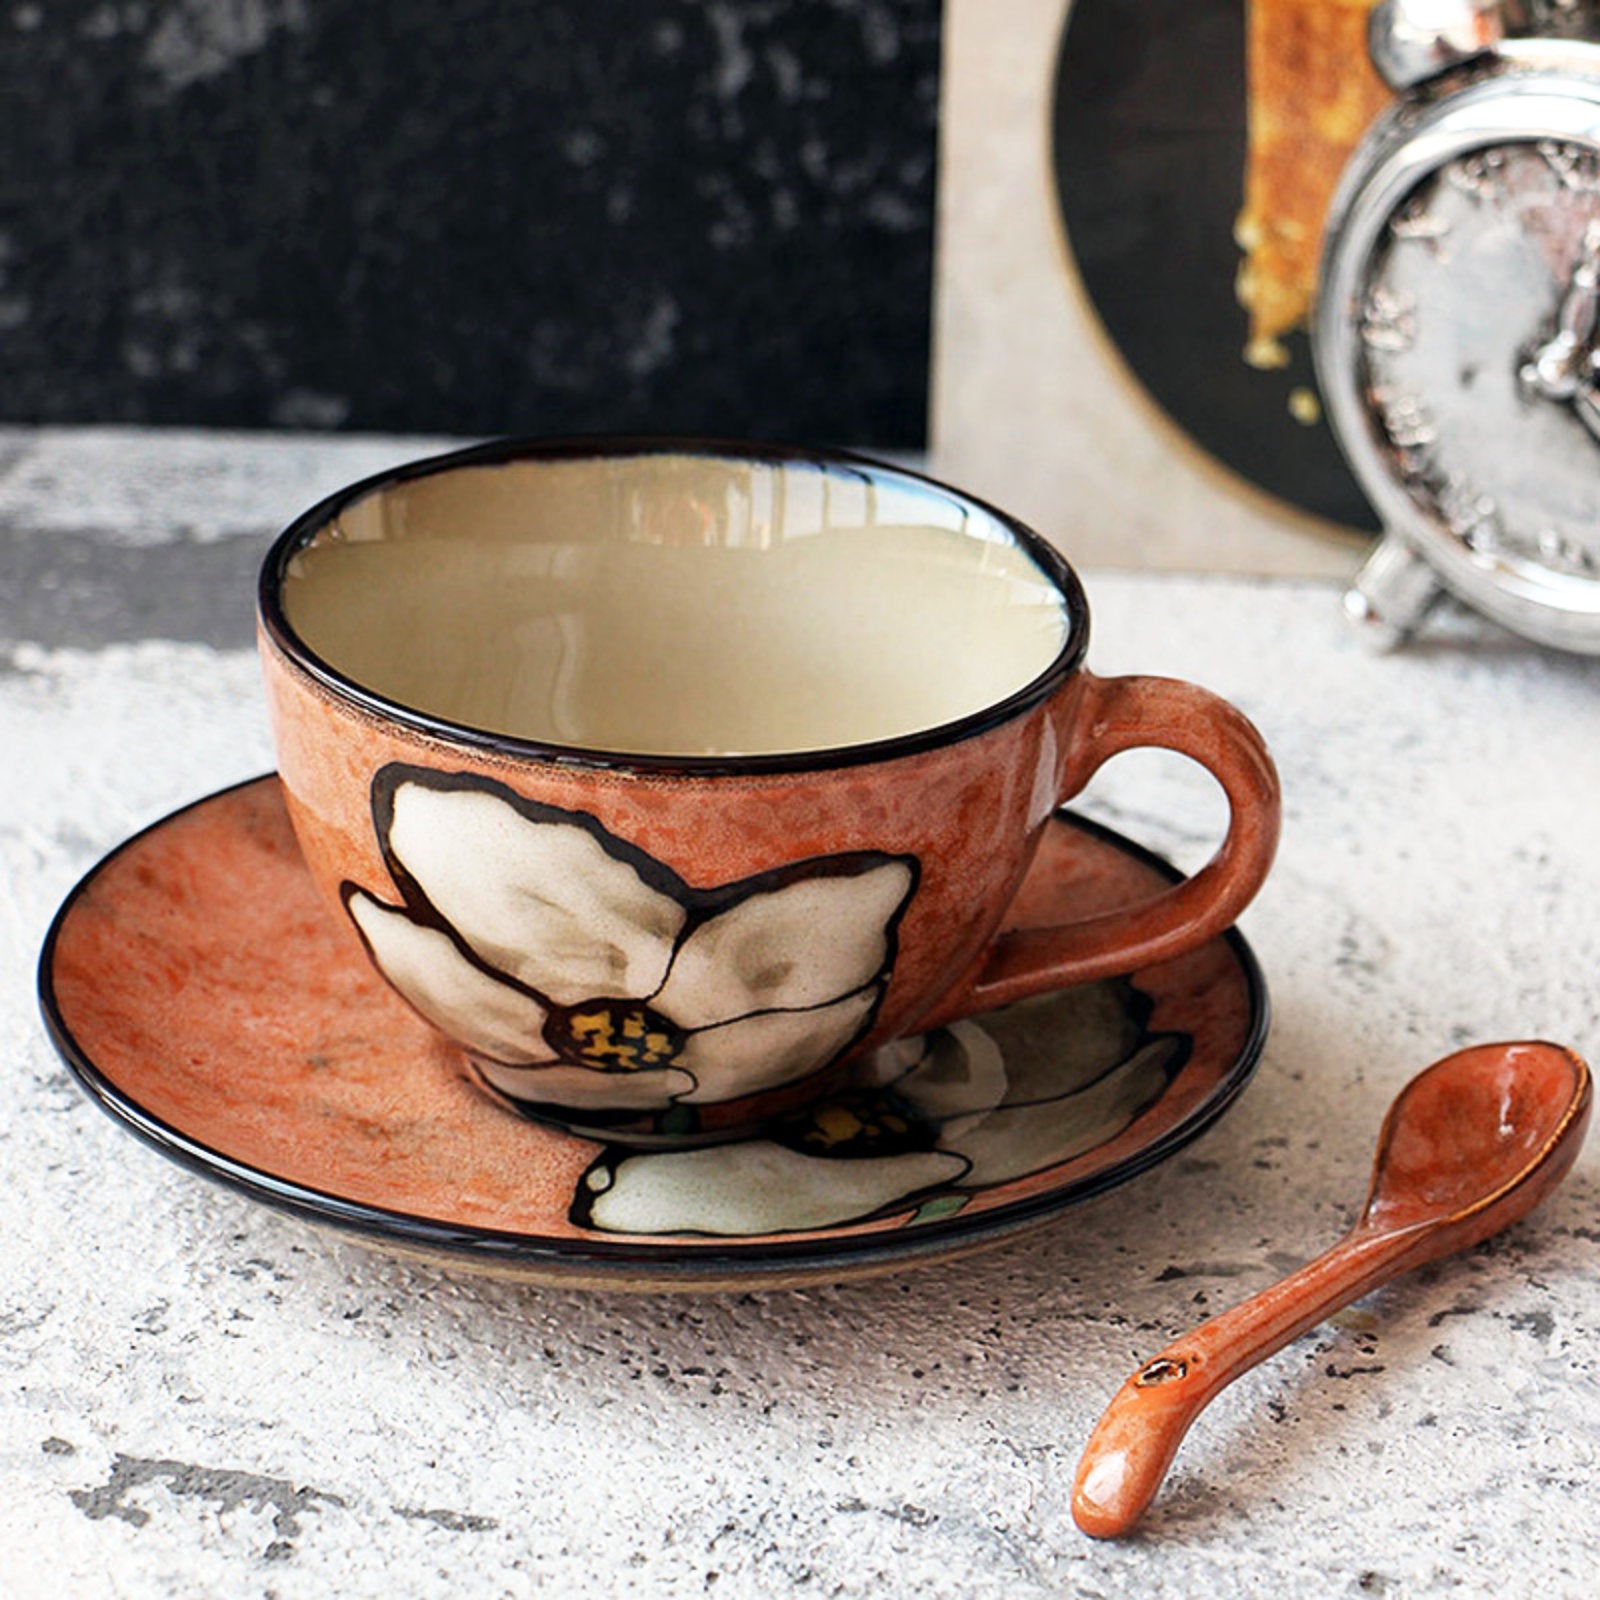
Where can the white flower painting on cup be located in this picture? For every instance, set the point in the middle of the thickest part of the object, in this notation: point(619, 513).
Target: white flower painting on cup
point(581, 973)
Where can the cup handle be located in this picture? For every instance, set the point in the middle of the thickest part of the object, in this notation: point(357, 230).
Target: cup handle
point(1109, 716)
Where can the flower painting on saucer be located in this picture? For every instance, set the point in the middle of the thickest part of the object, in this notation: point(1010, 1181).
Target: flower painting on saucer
point(583, 975)
point(924, 1125)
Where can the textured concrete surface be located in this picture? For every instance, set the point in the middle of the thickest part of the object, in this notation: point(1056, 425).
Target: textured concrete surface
point(202, 1398)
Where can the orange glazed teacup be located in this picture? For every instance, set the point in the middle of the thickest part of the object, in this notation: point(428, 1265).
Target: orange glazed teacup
point(663, 777)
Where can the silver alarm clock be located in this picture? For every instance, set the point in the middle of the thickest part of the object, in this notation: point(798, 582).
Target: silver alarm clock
point(1457, 331)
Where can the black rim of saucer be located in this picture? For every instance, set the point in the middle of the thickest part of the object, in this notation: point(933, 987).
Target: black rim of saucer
point(501, 452)
point(593, 1258)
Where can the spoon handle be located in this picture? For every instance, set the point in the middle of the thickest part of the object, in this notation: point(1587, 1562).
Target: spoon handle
point(1135, 1440)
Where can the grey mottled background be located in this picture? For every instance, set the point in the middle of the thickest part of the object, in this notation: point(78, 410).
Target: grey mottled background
point(657, 215)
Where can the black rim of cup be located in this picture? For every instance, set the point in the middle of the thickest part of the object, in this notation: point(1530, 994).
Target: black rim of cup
point(304, 528)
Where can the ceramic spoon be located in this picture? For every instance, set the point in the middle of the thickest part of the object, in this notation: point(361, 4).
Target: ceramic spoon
point(1473, 1142)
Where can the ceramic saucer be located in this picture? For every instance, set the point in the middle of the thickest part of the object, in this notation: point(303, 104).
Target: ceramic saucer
point(204, 997)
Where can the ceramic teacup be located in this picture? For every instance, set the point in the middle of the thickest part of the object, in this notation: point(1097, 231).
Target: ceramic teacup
point(663, 778)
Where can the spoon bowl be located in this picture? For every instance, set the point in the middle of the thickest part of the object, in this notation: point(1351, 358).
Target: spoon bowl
point(1467, 1136)
point(1470, 1145)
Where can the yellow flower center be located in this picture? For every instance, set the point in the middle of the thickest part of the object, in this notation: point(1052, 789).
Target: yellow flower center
point(615, 1036)
point(856, 1120)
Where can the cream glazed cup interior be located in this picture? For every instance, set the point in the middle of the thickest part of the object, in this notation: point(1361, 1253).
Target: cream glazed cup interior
point(677, 601)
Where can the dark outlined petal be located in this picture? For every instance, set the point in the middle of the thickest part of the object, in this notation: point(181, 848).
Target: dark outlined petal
point(803, 944)
point(772, 1048)
point(1063, 1042)
point(542, 900)
point(754, 1187)
point(960, 1073)
point(459, 999)
point(1016, 1139)
point(582, 1088)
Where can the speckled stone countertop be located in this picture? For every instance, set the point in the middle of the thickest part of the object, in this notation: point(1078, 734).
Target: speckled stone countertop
point(201, 1397)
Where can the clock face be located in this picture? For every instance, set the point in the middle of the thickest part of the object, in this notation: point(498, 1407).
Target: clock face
point(1476, 324)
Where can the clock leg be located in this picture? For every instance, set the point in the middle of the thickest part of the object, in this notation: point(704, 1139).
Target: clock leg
point(1392, 594)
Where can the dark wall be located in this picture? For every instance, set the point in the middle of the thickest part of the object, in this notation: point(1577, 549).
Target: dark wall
point(550, 216)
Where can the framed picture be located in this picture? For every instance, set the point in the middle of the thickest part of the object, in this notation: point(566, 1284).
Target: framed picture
point(1131, 200)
